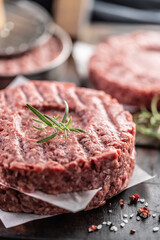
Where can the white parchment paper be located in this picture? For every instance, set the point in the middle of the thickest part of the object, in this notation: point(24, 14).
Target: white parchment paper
point(139, 176)
point(69, 201)
point(81, 54)
point(10, 219)
point(73, 202)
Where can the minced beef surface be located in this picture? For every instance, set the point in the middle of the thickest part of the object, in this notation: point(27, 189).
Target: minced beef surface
point(101, 157)
point(127, 67)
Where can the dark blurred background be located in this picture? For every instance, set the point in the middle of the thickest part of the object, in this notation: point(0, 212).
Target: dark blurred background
point(47, 4)
point(122, 11)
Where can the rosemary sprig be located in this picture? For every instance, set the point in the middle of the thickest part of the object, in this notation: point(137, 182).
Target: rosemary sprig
point(148, 122)
point(47, 121)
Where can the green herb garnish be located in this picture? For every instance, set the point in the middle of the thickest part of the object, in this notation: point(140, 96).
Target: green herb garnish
point(148, 122)
point(47, 121)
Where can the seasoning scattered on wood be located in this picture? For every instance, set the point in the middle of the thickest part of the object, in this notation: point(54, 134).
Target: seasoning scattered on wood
point(113, 228)
point(131, 216)
point(138, 218)
point(132, 231)
point(146, 204)
point(99, 226)
point(155, 229)
point(134, 198)
point(125, 221)
point(92, 228)
point(122, 225)
point(142, 200)
point(143, 212)
point(121, 202)
point(108, 223)
point(111, 225)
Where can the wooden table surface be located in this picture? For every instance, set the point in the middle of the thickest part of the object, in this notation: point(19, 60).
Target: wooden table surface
point(75, 226)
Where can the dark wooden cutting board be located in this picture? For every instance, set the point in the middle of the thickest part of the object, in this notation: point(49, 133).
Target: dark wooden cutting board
point(75, 226)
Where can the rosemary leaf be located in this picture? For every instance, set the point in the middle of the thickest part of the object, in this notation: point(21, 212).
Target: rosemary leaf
point(69, 121)
point(154, 105)
point(48, 121)
point(65, 134)
point(66, 112)
point(52, 120)
point(148, 122)
point(39, 115)
point(56, 117)
point(39, 121)
point(77, 130)
point(38, 127)
point(48, 138)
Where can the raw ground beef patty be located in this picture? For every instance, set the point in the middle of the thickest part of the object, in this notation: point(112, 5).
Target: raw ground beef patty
point(104, 156)
point(127, 67)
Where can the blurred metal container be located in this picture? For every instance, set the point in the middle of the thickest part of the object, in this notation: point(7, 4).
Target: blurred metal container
point(54, 70)
point(49, 69)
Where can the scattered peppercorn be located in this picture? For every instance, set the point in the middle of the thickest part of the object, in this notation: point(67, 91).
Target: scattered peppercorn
point(121, 201)
point(92, 228)
point(134, 198)
point(143, 212)
point(132, 231)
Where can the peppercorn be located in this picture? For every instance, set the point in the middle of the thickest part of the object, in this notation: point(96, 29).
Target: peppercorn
point(134, 198)
point(143, 212)
point(92, 228)
point(132, 231)
point(121, 201)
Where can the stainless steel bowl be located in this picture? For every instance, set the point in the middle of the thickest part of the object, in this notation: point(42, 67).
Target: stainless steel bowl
point(55, 69)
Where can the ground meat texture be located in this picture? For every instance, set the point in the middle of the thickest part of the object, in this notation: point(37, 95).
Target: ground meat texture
point(14, 201)
point(127, 67)
point(104, 156)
